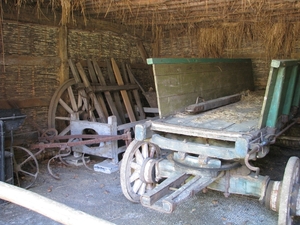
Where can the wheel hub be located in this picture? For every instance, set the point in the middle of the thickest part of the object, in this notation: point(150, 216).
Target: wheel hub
point(147, 174)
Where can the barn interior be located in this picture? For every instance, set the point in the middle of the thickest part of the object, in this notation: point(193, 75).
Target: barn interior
point(44, 43)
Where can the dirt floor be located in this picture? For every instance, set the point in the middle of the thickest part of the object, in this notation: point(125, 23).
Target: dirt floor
point(100, 195)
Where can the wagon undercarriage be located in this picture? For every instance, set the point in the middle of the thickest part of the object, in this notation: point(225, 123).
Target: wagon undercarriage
point(211, 145)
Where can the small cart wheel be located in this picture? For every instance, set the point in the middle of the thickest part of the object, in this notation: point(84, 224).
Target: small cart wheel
point(26, 167)
point(137, 172)
point(289, 191)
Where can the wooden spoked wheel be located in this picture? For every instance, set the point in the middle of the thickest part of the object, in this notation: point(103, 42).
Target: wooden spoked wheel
point(137, 172)
point(69, 102)
point(289, 192)
point(26, 167)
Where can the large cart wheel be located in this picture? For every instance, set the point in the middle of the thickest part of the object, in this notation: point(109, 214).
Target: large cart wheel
point(137, 171)
point(26, 167)
point(289, 191)
point(68, 102)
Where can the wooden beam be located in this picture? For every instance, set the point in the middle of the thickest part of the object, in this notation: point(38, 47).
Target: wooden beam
point(63, 53)
point(23, 103)
point(123, 92)
point(47, 207)
point(24, 60)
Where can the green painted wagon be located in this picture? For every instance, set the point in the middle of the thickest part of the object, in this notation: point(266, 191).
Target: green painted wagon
point(212, 126)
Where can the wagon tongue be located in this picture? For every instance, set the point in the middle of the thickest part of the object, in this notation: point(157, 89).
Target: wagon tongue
point(164, 200)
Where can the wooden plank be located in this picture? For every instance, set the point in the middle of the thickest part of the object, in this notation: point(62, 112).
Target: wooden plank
point(23, 103)
point(82, 93)
point(151, 61)
point(136, 94)
point(46, 207)
point(179, 85)
point(98, 88)
point(123, 92)
point(107, 94)
point(99, 95)
point(92, 95)
point(116, 95)
point(126, 81)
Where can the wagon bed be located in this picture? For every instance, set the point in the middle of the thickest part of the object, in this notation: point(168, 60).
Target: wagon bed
point(239, 117)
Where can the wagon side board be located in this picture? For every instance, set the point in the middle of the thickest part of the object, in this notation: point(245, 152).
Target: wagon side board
point(180, 81)
point(282, 94)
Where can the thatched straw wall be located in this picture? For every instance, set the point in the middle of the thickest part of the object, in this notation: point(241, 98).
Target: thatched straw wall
point(259, 41)
point(30, 64)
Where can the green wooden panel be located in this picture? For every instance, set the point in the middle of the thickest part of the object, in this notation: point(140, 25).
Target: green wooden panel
point(290, 90)
point(151, 61)
point(178, 85)
point(296, 98)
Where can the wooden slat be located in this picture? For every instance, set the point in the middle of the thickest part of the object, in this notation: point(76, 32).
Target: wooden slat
point(107, 94)
point(116, 95)
point(82, 94)
point(123, 93)
point(98, 95)
point(126, 81)
point(97, 87)
point(136, 94)
point(92, 95)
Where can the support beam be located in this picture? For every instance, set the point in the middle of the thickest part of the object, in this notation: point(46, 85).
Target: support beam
point(63, 53)
point(47, 207)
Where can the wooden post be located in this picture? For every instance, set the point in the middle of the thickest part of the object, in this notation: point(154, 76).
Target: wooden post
point(47, 207)
point(63, 54)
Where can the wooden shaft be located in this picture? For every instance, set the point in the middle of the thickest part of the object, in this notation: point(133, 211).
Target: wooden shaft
point(47, 207)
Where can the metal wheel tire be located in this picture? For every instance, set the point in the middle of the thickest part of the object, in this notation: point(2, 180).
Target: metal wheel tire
point(288, 188)
point(68, 103)
point(26, 167)
point(135, 156)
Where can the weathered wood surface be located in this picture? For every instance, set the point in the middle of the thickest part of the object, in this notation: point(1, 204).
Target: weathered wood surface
point(99, 96)
point(123, 92)
point(136, 94)
point(47, 207)
point(178, 84)
point(226, 123)
point(116, 95)
point(92, 95)
point(107, 94)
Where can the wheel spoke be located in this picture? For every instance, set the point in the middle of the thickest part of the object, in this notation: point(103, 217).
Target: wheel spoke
point(27, 173)
point(137, 185)
point(65, 131)
point(133, 169)
point(65, 106)
point(134, 176)
point(72, 99)
point(62, 118)
point(25, 161)
point(142, 189)
point(139, 157)
point(145, 151)
point(135, 166)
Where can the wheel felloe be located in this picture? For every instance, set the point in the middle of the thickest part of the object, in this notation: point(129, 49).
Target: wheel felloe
point(137, 173)
point(289, 192)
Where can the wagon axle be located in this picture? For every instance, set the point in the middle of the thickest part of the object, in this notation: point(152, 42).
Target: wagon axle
point(161, 183)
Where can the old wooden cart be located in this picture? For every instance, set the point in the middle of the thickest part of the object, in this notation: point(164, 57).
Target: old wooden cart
point(211, 143)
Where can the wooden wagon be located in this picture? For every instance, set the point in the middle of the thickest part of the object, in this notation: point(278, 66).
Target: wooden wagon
point(212, 125)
